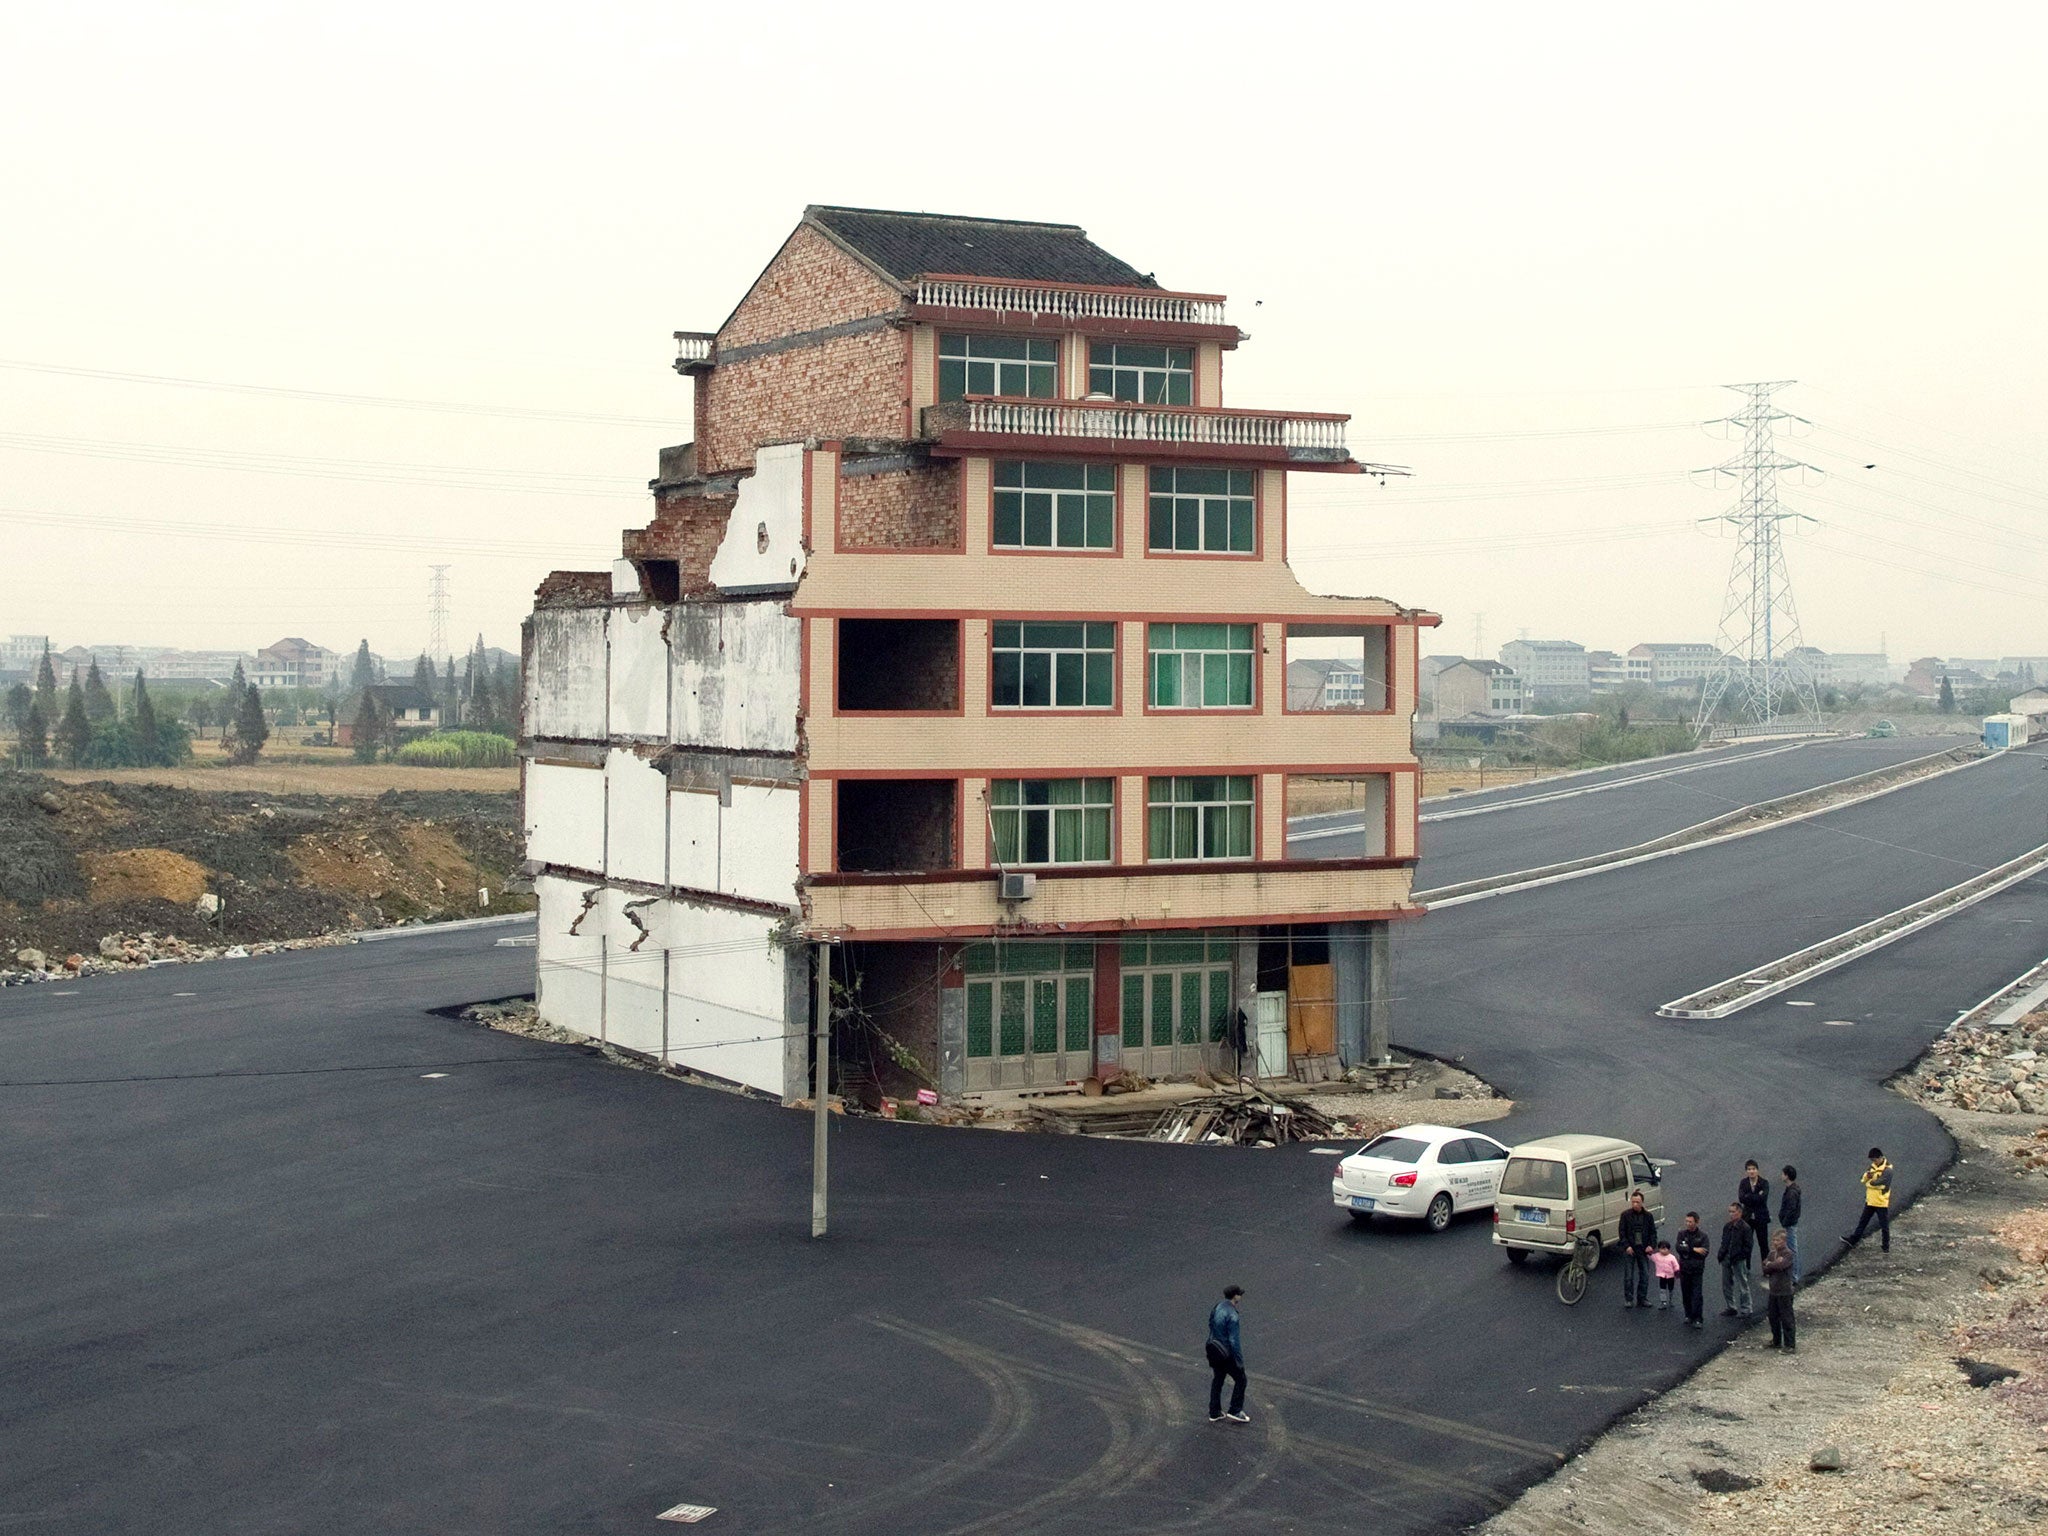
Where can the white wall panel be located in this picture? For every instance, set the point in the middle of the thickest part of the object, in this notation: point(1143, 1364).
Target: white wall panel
point(735, 675)
point(565, 815)
point(639, 673)
point(763, 544)
point(566, 681)
point(693, 839)
point(570, 988)
point(633, 978)
point(726, 994)
point(636, 821)
point(757, 844)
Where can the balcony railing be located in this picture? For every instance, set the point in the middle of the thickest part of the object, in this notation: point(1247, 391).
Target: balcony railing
point(1145, 305)
point(693, 347)
point(1318, 436)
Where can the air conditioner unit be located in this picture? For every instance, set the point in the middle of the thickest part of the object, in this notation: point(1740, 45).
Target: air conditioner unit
point(1017, 887)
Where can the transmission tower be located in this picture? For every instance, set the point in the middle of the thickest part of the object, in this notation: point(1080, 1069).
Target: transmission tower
point(437, 613)
point(1759, 638)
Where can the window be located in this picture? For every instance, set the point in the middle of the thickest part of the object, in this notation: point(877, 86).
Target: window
point(895, 825)
point(1051, 821)
point(1148, 375)
point(1205, 816)
point(1640, 1170)
point(997, 365)
point(1395, 1149)
point(1052, 666)
point(1341, 667)
point(1477, 1151)
point(1587, 1181)
point(1614, 1176)
point(1337, 816)
point(1054, 506)
point(1202, 511)
point(1454, 1152)
point(898, 664)
point(1533, 1178)
point(1200, 666)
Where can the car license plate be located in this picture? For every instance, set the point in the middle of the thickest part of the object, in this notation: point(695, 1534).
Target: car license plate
point(1535, 1215)
point(1361, 1202)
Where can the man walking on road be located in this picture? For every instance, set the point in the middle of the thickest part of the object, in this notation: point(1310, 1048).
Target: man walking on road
point(1226, 1358)
point(1753, 1194)
point(1780, 1285)
point(1877, 1201)
point(1692, 1267)
point(1789, 1200)
point(1638, 1233)
point(1736, 1243)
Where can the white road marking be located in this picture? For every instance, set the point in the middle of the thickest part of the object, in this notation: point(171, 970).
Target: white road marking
point(688, 1514)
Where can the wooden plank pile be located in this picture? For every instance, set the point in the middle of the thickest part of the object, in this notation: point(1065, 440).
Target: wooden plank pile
point(1244, 1118)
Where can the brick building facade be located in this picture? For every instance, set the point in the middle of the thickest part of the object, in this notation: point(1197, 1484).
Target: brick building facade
point(958, 649)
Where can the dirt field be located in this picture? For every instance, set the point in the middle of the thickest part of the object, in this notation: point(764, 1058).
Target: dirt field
point(336, 775)
point(82, 862)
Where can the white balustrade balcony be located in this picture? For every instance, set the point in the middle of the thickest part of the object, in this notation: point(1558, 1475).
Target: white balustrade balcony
point(1294, 437)
point(1143, 306)
point(693, 348)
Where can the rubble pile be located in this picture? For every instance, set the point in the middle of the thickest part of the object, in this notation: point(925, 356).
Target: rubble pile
point(2000, 1071)
point(127, 952)
point(1247, 1118)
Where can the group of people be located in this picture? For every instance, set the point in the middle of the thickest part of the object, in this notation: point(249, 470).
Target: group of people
point(1745, 1236)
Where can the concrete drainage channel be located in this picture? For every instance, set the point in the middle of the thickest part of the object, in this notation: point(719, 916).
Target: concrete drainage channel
point(1742, 822)
point(1796, 969)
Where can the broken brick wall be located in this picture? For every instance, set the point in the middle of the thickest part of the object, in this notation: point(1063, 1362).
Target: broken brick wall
point(843, 386)
point(900, 509)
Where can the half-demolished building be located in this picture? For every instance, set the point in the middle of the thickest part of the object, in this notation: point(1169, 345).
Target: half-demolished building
point(957, 649)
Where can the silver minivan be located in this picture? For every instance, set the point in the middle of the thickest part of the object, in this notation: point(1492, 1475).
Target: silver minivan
point(1561, 1188)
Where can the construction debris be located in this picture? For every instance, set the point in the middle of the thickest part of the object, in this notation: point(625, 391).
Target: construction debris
point(1245, 1118)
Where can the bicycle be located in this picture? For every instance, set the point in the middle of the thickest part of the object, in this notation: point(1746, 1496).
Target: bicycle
point(1573, 1279)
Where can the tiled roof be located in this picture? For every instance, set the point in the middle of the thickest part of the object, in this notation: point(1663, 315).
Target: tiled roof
point(908, 245)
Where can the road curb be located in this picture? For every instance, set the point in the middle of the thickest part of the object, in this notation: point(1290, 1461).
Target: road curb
point(1700, 835)
point(1924, 913)
point(426, 930)
point(1707, 759)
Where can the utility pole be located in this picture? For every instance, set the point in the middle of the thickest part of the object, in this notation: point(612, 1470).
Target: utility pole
point(437, 613)
point(1759, 635)
point(821, 1057)
point(1478, 637)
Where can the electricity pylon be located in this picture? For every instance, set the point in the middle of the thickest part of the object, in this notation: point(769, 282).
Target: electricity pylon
point(437, 613)
point(1759, 637)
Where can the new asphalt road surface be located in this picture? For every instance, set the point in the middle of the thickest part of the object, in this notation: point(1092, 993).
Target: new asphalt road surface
point(288, 1252)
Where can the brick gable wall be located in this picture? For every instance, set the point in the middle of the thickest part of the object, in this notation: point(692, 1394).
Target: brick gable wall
point(848, 386)
point(810, 284)
point(901, 509)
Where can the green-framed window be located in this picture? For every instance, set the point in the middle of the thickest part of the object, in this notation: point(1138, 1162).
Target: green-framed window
point(1149, 375)
point(1200, 666)
point(1052, 665)
point(1202, 511)
point(997, 365)
point(1051, 821)
point(1054, 506)
point(1032, 997)
point(1199, 816)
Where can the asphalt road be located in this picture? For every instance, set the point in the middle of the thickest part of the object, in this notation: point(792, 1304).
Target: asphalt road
point(544, 1294)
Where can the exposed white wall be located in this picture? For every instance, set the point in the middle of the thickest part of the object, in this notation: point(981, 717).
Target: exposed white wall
point(757, 847)
point(634, 979)
point(570, 985)
point(565, 816)
point(565, 685)
point(693, 839)
point(636, 818)
point(726, 992)
point(763, 544)
point(735, 676)
point(639, 673)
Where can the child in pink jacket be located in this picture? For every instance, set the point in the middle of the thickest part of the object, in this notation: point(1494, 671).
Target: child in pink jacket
point(1665, 1263)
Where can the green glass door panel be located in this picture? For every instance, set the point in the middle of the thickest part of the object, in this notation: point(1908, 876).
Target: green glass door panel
point(1162, 1010)
point(1134, 1011)
point(1011, 1037)
point(1045, 1016)
point(1219, 1005)
point(1080, 1013)
point(1190, 1007)
point(980, 1019)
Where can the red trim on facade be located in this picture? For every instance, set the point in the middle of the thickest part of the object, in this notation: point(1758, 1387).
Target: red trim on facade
point(1113, 925)
point(1012, 771)
point(1015, 322)
point(848, 878)
point(1049, 285)
point(1014, 446)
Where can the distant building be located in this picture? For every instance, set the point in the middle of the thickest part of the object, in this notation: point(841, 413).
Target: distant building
point(1676, 664)
point(1324, 684)
point(1549, 669)
point(1856, 669)
point(196, 666)
point(1612, 671)
point(296, 663)
point(1478, 688)
point(23, 653)
point(413, 711)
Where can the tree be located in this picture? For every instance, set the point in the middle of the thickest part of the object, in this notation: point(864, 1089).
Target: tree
point(423, 674)
point(20, 700)
point(99, 704)
point(231, 709)
point(367, 729)
point(364, 672)
point(35, 745)
point(46, 687)
point(1948, 697)
point(74, 731)
point(251, 729)
point(142, 723)
point(200, 711)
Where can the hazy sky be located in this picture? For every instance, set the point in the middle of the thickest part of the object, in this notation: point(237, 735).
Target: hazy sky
point(1521, 244)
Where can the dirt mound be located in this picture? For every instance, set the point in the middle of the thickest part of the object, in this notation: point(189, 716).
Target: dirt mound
point(142, 874)
point(78, 862)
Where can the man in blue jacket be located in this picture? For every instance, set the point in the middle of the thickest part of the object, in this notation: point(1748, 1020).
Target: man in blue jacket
point(1226, 1358)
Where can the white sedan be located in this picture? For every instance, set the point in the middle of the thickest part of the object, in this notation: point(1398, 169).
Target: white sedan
point(1429, 1172)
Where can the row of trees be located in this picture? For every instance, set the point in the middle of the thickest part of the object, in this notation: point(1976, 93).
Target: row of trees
point(91, 729)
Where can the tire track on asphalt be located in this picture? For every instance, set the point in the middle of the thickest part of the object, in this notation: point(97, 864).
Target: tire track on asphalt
point(1012, 1406)
point(1276, 1446)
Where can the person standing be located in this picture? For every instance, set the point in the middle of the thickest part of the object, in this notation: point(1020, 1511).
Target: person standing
point(1736, 1243)
point(1753, 1194)
point(1789, 1200)
point(1877, 1201)
point(1226, 1357)
point(1692, 1267)
point(1779, 1286)
point(1638, 1233)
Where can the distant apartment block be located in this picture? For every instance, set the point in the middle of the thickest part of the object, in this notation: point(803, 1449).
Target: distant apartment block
point(1468, 688)
point(296, 663)
point(1549, 669)
point(1676, 664)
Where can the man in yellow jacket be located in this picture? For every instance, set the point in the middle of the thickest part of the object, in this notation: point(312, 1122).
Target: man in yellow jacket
point(1877, 1201)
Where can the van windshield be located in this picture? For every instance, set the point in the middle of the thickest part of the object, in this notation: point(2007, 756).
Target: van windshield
point(1537, 1178)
